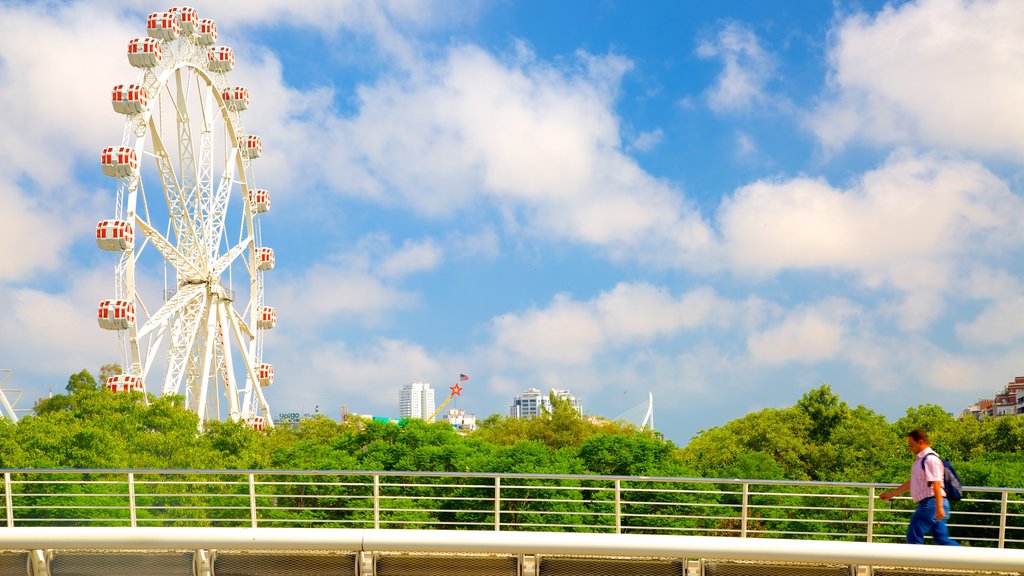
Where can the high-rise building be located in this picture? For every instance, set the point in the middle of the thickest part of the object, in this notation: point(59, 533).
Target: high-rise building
point(416, 400)
point(572, 400)
point(531, 402)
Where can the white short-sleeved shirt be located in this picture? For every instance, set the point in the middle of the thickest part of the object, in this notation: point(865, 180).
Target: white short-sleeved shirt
point(933, 471)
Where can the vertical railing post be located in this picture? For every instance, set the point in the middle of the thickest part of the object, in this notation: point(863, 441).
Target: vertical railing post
point(132, 510)
point(497, 503)
point(743, 510)
point(8, 500)
point(376, 502)
point(252, 498)
point(871, 513)
point(618, 507)
point(1003, 503)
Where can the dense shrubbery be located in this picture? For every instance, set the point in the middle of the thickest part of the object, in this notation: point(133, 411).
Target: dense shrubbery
point(819, 438)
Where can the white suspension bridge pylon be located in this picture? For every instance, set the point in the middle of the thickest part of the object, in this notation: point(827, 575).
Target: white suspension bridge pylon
point(633, 414)
point(6, 404)
point(187, 209)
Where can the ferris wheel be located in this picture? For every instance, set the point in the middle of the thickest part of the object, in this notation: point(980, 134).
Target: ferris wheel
point(188, 293)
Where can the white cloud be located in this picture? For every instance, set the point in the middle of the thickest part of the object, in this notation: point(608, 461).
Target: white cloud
point(365, 378)
point(412, 257)
point(806, 335)
point(906, 225)
point(48, 333)
point(30, 238)
point(50, 58)
point(745, 145)
point(647, 141)
point(1002, 322)
point(746, 68)
point(572, 332)
point(941, 72)
point(328, 292)
point(539, 142)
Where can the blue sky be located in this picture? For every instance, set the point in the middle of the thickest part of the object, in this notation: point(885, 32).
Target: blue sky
point(725, 204)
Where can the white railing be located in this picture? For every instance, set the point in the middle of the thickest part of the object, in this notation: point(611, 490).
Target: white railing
point(987, 517)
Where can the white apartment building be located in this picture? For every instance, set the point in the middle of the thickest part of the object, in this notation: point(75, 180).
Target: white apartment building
point(459, 420)
point(531, 402)
point(416, 400)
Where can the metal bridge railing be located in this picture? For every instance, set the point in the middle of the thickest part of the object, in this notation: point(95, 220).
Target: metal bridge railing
point(987, 517)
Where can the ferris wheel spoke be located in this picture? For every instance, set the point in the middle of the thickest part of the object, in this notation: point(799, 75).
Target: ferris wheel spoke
point(220, 201)
point(184, 331)
point(225, 260)
point(184, 266)
point(177, 201)
point(230, 386)
point(207, 359)
point(243, 326)
point(242, 336)
point(181, 298)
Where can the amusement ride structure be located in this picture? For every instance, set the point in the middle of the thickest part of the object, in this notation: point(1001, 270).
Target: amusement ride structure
point(187, 209)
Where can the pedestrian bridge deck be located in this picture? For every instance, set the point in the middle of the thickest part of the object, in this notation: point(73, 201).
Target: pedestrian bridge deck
point(209, 522)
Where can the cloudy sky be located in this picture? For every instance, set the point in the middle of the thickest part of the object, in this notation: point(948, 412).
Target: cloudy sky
point(724, 204)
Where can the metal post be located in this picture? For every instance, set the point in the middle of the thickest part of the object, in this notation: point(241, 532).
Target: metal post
point(743, 512)
point(131, 500)
point(8, 500)
point(1002, 518)
point(618, 507)
point(252, 498)
point(871, 513)
point(497, 503)
point(376, 502)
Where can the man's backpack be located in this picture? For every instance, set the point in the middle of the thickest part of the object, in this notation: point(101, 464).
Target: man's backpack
point(950, 479)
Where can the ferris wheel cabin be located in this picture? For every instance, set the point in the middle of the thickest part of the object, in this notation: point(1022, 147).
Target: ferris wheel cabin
point(129, 99)
point(115, 235)
point(264, 258)
point(163, 26)
point(265, 374)
point(119, 161)
point(256, 422)
point(207, 34)
point(221, 59)
point(259, 199)
point(125, 383)
point(235, 98)
point(116, 314)
point(187, 18)
point(251, 145)
point(145, 53)
point(267, 318)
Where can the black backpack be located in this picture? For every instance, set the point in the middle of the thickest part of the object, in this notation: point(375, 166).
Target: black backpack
point(950, 479)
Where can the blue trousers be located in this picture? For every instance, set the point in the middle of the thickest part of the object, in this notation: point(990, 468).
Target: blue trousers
point(923, 522)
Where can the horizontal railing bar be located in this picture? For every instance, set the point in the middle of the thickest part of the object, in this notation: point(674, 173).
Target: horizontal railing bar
point(581, 477)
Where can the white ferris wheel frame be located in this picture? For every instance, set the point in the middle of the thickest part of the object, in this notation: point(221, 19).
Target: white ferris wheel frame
point(197, 330)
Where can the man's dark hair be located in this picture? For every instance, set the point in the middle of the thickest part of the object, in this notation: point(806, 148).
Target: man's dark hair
point(918, 435)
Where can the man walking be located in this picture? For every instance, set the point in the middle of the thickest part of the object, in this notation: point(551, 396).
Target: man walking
point(926, 488)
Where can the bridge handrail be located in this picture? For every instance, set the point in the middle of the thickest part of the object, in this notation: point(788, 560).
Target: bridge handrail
point(988, 516)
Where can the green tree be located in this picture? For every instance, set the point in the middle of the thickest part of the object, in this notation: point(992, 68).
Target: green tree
point(825, 410)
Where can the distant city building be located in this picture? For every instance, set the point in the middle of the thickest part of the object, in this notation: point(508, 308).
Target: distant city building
point(529, 404)
point(532, 402)
point(573, 401)
point(1005, 403)
point(416, 400)
point(459, 420)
